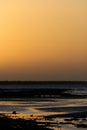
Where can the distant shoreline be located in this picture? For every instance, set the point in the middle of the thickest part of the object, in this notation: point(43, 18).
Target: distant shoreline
point(40, 82)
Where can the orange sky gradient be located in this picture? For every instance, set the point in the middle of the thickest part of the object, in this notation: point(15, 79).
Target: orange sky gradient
point(43, 40)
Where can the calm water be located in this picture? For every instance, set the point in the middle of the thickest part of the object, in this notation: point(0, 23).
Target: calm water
point(51, 86)
point(74, 88)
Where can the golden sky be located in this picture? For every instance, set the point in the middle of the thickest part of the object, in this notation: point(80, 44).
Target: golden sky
point(43, 39)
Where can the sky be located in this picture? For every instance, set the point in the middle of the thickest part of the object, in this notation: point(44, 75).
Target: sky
point(43, 40)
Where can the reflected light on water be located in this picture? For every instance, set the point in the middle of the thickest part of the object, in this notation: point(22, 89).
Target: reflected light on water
point(38, 108)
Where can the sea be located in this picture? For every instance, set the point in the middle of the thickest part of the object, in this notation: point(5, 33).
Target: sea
point(48, 106)
point(79, 89)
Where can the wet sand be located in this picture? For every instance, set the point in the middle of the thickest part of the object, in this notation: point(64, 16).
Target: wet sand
point(51, 122)
point(7, 122)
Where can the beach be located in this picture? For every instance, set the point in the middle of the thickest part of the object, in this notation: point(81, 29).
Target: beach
point(15, 123)
point(56, 108)
point(49, 112)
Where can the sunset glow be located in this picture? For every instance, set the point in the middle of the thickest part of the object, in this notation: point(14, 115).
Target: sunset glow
point(43, 40)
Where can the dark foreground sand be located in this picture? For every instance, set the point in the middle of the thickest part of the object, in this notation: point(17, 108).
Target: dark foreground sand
point(76, 119)
point(19, 124)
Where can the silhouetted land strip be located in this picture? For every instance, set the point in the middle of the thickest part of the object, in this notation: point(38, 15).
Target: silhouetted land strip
point(40, 82)
point(34, 93)
point(27, 93)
